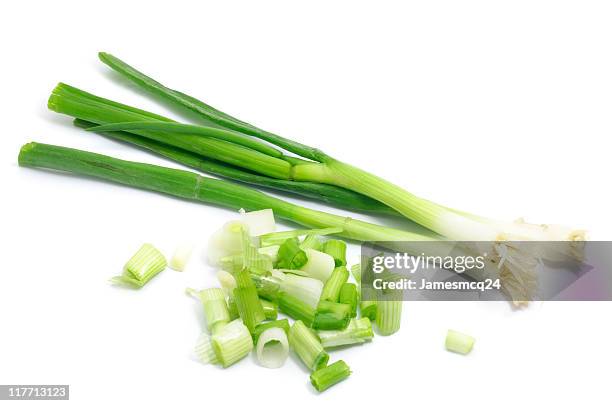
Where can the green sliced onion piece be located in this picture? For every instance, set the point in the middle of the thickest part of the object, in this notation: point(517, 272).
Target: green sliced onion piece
point(142, 267)
point(331, 289)
point(349, 296)
point(331, 316)
point(225, 242)
point(259, 222)
point(368, 308)
point(307, 346)
point(247, 301)
point(282, 323)
point(323, 378)
point(232, 308)
point(181, 256)
point(268, 286)
point(308, 290)
point(280, 236)
point(337, 249)
point(271, 251)
point(311, 241)
point(290, 255)
point(232, 343)
point(270, 309)
point(320, 265)
point(216, 312)
point(204, 350)
point(296, 309)
point(358, 331)
point(227, 281)
point(459, 342)
point(272, 348)
point(388, 316)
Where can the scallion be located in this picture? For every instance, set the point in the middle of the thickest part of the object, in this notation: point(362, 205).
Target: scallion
point(282, 323)
point(388, 316)
point(280, 236)
point(459, 342)
point(306, 345)
point(331, 316)
point(358, 331)
point(272, 348)
point(331, 289)
point(326, 377)
point(349, 296)
point(320, 265)
point(215, 308)
point(290, 255)
point(270, 309)
point(181, 256)
point(308, 290)
point(141, 267)
point(337, 250)
point(247, 301)
point(296, 309)
point(311, 241)
point(232, 343)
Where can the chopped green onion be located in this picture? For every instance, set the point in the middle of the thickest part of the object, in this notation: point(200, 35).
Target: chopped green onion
point(259, 222)
point(296, 309)
point(232, 343)
point(349, 296)
point(204, 350)
point(320, 265)
point(308, 290)
point(142, 267)
point(337, 249)
point(272, 348)
point(368, 308)
point(271, 251)
point(388, 316)
point(248, 303)
point(215, 308)
point(331, 316)
point(459, 342)
point(358, 331)
point(232, 308)
point(280, 236)
point(225, 242)
point(311, 241)
point(356, 272)
point(227, 281)
point(290, 255)
point(331, 289)
point(268, 286)
point(323, 378)
point(270, 309)
point(181, 256)
point(306, 345)
point(282, 323)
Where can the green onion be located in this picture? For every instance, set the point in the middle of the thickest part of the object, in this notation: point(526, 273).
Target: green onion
point(368, 308)
point(181, 257)
point(272, 348)
point(280, 236)
point(226, 242)
point(204, 350)
point(323, 378)
point(271, 251)
point(232, 343)
point(290, 255)
point(331, 316)
point(337, 250)
point(283, 323)
point(142, 267)
point(232, 308)
point(268, 286)
point(215, 308)
point(450, 223)
point(349, 296)
point(306, 345)
point(312, 242)
point(248, 303)
point(356, 272)
point(191, 186)
point(358, 331)
point(388, 316)
point(270, 309)
point(459, 342)
point(331, 289)
point(320, 265)
point(258, 222)
point(296, 309)
point(307, 290)
point(227, 281)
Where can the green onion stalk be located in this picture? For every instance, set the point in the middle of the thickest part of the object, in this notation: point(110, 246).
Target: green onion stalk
point(317, 167)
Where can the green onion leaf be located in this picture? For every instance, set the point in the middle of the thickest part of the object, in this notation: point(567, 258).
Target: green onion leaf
point(142, 267)
point(331, 316)
point(323, 378)
point(349, 296)
point(306, 345)
point(290, 255)
point(331, 289)
point(358, 331)
point(248, 303)
point(337, 249)
point(296, 309)
point(280, 236)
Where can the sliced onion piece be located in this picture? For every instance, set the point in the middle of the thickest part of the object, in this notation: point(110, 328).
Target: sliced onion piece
point(181, 257)
point(204, 350)
point(259, 222)
point(320, 265)
point(225, 242)
point(272, 348)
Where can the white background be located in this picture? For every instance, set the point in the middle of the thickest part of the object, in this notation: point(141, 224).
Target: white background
point(500, 108)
